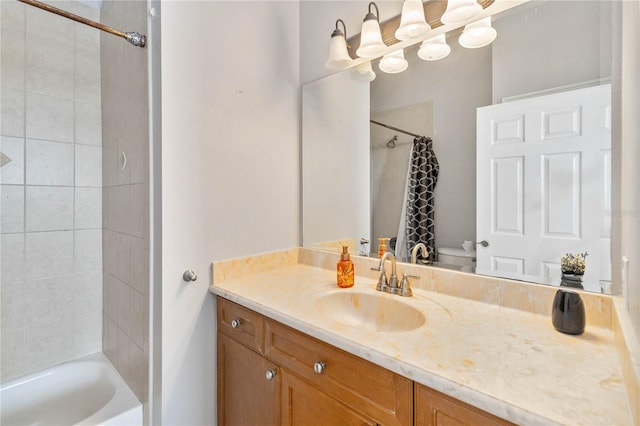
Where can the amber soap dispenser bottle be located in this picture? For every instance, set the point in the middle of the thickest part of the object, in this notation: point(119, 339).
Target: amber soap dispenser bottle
point(382, 246)
point(345, 269)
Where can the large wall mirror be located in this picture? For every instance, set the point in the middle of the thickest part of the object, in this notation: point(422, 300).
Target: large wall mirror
point(521, 132)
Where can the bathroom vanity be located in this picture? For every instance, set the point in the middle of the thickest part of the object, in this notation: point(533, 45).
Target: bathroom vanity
point(302, 380)
point(294, 379)
point(295, 349)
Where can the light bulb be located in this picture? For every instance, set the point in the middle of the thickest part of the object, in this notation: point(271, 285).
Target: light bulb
point(393, 62)
point(412, 21)
point(478, 34)
point(338, 55)
point(434, 48)
point(364, 72)
point(459, 11)
point(371, 44)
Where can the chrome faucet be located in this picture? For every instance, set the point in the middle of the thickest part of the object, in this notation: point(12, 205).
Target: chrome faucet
point(391, 285)
point(414, 252)
point(393, 279)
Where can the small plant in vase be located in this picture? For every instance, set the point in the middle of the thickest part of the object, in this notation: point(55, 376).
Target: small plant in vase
point(568, 313)
point(573, 267)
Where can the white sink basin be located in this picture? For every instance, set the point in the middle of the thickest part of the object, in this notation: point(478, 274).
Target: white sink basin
point(372, 311)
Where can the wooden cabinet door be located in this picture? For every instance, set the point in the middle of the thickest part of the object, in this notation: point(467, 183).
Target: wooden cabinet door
point(433, 408)
point(245, 395)
point(304, 404)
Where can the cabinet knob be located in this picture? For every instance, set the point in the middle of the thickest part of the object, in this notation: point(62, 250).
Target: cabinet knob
point(318, 367)
point(271, 374)
point(236, 323)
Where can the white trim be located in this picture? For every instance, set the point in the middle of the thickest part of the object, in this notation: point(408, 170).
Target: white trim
point(559, 89)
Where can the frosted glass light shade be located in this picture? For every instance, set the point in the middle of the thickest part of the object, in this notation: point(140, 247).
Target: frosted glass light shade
point(459, 11)
point(434, 48)
point(364, 72)
point(338, 55)
point(371, 44)
point(412, 21)
point(478, 34)
point(394, 62)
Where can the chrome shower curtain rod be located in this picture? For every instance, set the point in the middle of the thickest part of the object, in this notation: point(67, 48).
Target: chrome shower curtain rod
point(132, 37)
point(395, 128)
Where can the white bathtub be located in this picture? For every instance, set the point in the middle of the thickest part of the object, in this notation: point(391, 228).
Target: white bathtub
point(87, 391)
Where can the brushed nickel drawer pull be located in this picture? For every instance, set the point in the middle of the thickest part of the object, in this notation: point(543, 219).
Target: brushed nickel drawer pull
point(319, 366)
point(236, 323)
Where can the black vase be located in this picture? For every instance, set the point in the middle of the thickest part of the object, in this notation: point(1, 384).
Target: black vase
point(567, 314)
point(571, 280)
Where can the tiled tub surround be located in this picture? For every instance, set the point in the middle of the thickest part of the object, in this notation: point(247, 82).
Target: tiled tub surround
point(51, 190)
point(125, 212)
point(488, 342)
point(68, 206)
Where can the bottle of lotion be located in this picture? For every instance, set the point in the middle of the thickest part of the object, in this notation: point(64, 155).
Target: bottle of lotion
point(382, 246)
point(345, 269)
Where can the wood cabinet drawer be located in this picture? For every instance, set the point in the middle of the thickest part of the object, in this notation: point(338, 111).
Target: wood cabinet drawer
point(372, 390)
point(437, 409)
point(241, 324)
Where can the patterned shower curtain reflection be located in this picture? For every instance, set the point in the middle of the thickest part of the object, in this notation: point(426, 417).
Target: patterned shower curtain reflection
point(417, 222)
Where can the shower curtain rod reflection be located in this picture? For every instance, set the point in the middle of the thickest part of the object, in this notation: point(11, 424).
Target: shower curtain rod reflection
point(132, 37)
point(395, 128)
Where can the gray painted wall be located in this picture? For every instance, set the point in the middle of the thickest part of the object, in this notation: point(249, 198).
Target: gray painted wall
point(551, 44)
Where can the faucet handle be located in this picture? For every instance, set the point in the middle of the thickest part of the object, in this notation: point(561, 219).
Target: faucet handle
point(405, 285)
point(382, 281)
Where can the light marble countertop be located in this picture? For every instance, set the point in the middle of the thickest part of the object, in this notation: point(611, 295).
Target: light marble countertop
point(508, 362)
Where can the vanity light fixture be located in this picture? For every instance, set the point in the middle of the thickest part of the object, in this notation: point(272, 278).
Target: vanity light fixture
point(364, 72)
point(478, 34)
point(459, 11)
point(338, 56)
point(412, 21)
point(434, 48)
point(371, 44)
point(394, 62)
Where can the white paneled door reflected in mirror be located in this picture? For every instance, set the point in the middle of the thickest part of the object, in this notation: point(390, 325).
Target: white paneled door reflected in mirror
point(521, 130)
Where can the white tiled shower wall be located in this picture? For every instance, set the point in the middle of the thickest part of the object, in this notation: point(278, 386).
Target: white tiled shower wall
point(51, 190)
point(126, 195)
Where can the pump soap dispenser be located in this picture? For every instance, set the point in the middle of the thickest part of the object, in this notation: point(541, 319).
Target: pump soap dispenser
point(345, 269)
point(382, 246)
